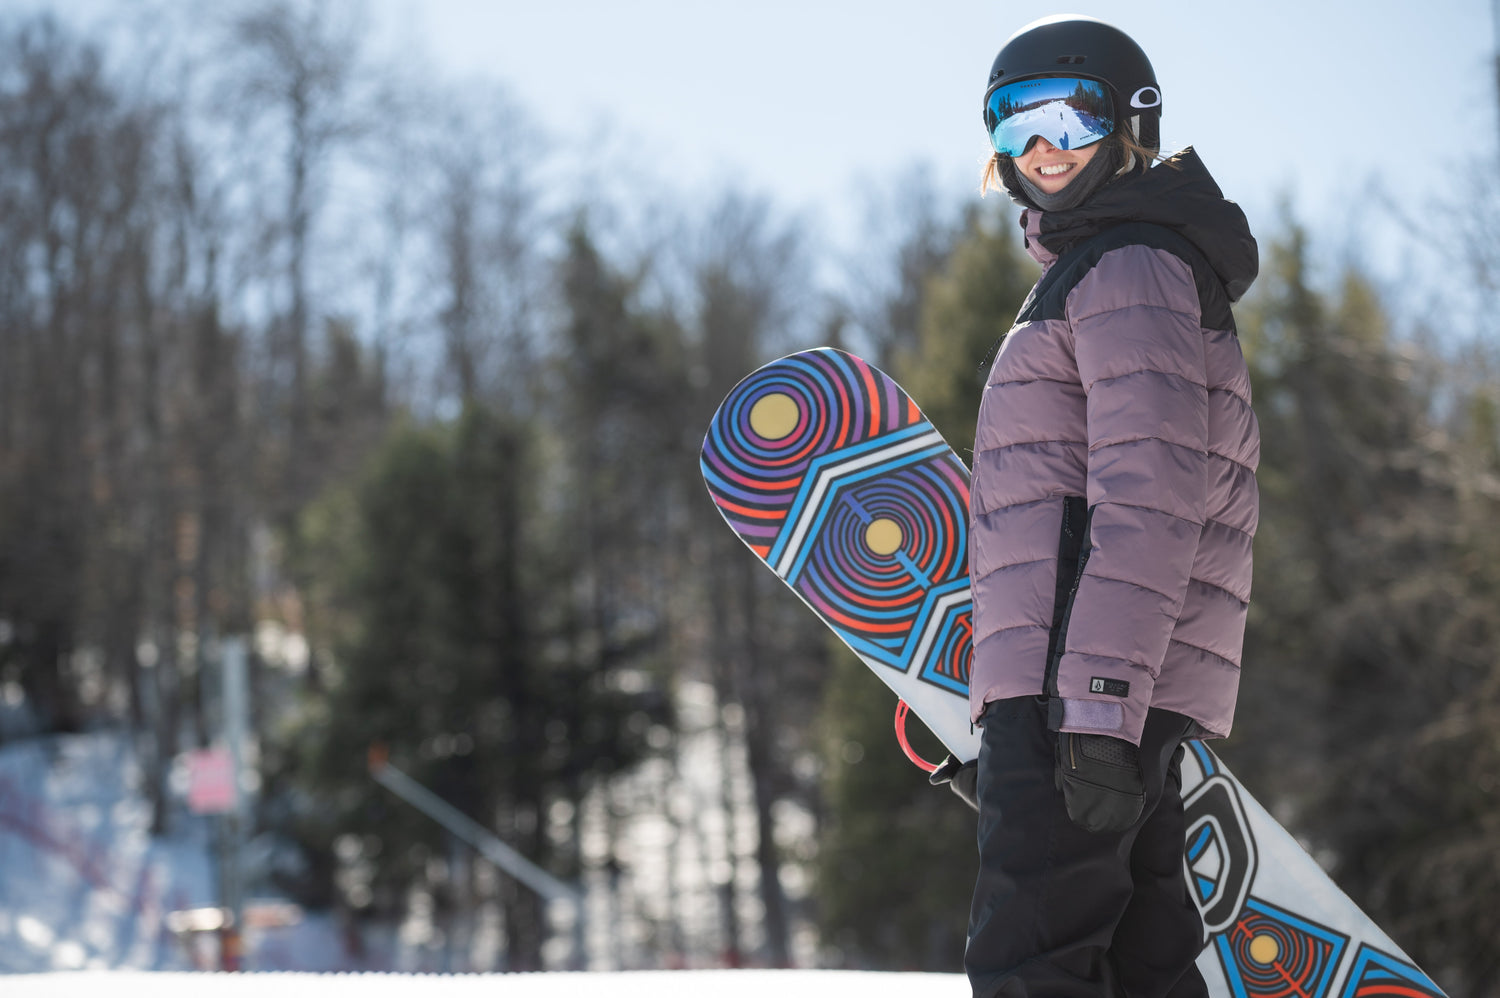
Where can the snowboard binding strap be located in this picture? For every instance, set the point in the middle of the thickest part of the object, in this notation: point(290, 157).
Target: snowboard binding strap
point(901, 711)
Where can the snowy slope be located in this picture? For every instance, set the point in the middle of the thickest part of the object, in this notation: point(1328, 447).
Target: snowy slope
point(85, 891)
point(82, 883)
point(638, 984)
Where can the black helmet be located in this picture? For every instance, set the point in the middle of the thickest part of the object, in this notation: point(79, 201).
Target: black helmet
point(1077, 45)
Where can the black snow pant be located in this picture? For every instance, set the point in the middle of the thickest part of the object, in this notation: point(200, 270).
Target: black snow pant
point(1060, 912)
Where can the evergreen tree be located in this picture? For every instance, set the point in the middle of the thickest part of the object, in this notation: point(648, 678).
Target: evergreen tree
point(896, 857)
point(618, 491)
point(454, 655)
point(1369, 693)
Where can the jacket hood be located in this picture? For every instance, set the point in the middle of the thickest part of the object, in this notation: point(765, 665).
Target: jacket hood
point(1178, 194)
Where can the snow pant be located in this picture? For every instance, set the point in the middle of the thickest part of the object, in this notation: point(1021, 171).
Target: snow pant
point(1060, 912)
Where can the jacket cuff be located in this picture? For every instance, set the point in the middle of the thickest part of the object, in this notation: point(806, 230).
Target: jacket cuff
point(1117, 718)
point(1104, 696)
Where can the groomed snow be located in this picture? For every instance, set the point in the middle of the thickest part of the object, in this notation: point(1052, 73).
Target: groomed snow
point(633, 984)
point(84, 889)
point(1063, 131)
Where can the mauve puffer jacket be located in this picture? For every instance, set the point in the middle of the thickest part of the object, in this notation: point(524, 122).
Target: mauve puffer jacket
point(1113, 499)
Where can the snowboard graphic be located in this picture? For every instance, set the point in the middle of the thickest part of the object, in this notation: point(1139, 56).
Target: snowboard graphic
point(833, 477)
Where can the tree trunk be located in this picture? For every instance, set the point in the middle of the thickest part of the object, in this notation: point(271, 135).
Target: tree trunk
point(760, 753)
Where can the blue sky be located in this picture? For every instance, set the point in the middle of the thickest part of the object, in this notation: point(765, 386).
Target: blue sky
point(805, 98)
point(816, 102)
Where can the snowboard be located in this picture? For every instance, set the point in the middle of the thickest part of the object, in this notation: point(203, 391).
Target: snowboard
point(830, 473)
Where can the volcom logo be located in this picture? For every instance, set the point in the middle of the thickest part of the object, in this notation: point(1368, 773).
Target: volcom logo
point(1146, 97)
point(1109, 687)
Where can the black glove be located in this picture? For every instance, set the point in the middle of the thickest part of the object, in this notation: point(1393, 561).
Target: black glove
point(1101, 781)
point(960, 777)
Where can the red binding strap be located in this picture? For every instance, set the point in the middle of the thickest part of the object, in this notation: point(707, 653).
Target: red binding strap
point(901, 711)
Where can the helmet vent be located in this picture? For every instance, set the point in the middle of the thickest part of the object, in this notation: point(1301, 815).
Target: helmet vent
point(1071, 60)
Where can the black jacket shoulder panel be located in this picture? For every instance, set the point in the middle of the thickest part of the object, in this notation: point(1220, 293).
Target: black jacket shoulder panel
point(1048, 300)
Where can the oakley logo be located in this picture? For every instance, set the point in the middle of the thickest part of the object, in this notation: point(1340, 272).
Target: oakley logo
point(1146, 97)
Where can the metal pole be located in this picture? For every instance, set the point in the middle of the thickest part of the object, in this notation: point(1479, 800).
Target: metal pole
point(236, 692)
point(486, 843)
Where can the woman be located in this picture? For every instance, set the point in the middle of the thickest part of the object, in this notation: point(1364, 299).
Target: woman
point(1113, 506)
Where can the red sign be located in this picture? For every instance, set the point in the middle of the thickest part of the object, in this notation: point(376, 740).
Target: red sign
point(210, 781)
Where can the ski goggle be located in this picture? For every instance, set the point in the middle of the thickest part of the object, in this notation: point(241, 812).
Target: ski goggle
point(1067, 111)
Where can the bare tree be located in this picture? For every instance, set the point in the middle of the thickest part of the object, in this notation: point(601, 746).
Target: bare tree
point(487, 230)
point(907, 233)
point(292, 73)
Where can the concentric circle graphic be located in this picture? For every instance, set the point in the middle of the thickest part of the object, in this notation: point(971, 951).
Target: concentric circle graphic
point(778, 422)
point(883, 546)
point(1280, 957)
point(830, 473)
point(948, 663)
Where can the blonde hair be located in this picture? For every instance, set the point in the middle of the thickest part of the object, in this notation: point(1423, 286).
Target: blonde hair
point(1136, 157)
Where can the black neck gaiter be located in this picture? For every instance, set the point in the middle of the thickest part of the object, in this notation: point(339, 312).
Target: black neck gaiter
point(1093, 175)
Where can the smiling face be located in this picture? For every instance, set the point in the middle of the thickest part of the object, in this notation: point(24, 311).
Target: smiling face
point(1051, 169)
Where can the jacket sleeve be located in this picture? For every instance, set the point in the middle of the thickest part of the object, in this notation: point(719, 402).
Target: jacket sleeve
point(1138, 341)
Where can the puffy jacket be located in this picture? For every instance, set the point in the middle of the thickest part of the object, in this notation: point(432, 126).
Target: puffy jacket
point(1113, 499)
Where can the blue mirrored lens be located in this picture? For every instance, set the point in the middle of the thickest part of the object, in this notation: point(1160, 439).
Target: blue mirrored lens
point(1069, 113)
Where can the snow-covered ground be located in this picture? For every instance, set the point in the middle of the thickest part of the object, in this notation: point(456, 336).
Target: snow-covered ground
point(85, 886)
point(1063, 126)
point(85, 892)
point(88, 896)
point(630, 984)
point(82, 883)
